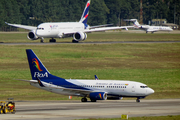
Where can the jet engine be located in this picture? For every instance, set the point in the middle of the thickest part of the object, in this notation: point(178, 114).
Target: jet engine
point(32, 35)
point(79, 36)
point(98, 96)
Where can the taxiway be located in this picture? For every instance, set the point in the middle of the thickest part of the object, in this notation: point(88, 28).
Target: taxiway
point(69, 110)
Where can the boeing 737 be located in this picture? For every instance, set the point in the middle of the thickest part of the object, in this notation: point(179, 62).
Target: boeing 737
point(77, 30)
point(93, 89)
point(148, 28)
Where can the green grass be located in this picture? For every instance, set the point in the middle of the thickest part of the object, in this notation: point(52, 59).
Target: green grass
point(156, 65)
point(95, 37)
point(170, 117)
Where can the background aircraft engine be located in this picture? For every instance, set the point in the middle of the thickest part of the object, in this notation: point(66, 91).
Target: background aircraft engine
point(98, 96)
point(79, 36)
point(32, 35)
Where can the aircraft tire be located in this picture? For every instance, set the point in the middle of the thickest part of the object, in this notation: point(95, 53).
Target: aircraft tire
point(84, 100)
point(75, 41)
point(137, 100)
point(52, 40)
point(42, 41)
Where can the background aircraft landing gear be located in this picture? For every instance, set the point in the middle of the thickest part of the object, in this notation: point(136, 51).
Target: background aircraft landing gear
point(75, 41)
point(84, 100)
point(52, 40)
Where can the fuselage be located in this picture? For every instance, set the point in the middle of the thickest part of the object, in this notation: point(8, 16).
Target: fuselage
point(111, 87)
point(57, 29)
point(148, 28)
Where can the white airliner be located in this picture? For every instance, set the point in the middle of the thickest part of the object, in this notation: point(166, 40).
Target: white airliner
point(93, 89)
point(77, 30)
point(148, 28)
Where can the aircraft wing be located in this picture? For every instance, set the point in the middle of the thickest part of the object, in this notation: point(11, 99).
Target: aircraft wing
point(22, 26)
point(100, 29)
point(99, 26)
point(107, 28)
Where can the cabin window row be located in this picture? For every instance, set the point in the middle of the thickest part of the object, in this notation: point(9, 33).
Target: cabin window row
point(90, 86)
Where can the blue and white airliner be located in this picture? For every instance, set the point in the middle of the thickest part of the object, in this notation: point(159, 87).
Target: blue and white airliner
point(77, 30)
point(93, 89)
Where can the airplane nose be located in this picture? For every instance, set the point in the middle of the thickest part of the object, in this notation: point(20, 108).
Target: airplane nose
point(150, 91)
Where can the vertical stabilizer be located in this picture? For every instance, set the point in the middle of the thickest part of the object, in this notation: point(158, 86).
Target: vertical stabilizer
point(96, 78)
point(84, 17)
point(38, 70)
point(135, 22)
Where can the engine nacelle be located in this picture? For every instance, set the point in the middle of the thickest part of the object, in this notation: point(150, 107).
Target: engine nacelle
point(98, 96)
point(32, 35)
point(79, 36)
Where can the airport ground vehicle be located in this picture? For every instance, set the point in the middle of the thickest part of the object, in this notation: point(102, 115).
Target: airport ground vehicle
point(7, 106)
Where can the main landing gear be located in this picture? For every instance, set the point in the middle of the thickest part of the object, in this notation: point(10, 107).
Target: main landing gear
point(85, 100)
point(75, 41)
point(52, 40)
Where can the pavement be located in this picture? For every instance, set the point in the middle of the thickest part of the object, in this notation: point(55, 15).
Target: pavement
point(70, 110)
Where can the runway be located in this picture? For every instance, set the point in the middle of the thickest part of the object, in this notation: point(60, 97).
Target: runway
point(69, 110)
point(110, 42)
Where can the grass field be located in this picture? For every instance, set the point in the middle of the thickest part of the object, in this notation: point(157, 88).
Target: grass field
point(155, 64)
point(144, 118)
point(97, 37)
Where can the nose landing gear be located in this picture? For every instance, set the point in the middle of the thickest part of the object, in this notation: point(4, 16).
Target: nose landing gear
point(138, 100)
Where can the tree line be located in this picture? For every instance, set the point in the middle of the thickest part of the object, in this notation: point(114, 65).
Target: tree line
point(34, 12)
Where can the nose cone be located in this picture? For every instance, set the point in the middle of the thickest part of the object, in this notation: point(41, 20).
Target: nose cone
point(150, 91)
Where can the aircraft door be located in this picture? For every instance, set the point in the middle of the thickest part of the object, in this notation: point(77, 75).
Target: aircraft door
point(133, 88)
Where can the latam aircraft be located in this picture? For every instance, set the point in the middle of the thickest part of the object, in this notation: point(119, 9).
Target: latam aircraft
point(148, 28)
point(93, 89)
point(77, 30)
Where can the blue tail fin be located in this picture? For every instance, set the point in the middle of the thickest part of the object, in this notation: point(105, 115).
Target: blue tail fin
point(84, 17)
point(38, 70)
point(96, 78)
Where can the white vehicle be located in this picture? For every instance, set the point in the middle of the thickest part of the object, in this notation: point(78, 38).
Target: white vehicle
point(93, 89)
point(148, 28)
point(77, 30)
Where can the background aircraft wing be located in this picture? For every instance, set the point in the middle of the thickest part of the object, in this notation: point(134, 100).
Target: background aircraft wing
point(22, 26)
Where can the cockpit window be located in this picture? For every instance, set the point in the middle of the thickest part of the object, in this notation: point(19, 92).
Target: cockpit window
point(143, 86)
point(40, 28)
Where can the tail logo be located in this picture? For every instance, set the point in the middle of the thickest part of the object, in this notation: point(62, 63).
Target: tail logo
point(100, 95)
point(86, 15)
point(34, 60)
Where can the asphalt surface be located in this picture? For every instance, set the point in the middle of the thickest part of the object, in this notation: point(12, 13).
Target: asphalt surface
point(110, 42)
point(69, 110)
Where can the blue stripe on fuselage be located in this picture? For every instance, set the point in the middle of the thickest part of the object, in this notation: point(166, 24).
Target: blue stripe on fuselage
point(62, 83)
